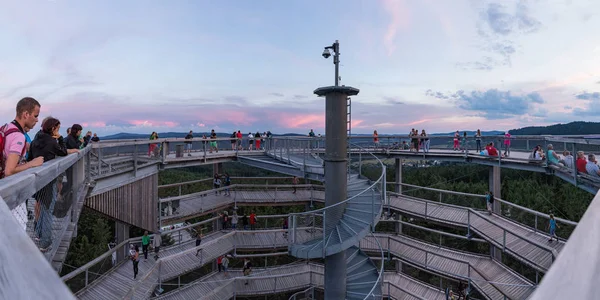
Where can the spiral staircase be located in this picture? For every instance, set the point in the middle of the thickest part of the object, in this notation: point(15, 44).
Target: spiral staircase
point(356, 217)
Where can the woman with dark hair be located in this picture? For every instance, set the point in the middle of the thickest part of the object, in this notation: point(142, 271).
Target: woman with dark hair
point(72, 140)
point(49, 144)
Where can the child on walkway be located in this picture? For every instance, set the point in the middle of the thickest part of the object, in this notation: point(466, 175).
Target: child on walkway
point(489, 199)
point(552, 228)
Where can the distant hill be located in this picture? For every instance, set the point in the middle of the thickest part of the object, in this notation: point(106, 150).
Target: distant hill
point(572, 128)
point(128, 136)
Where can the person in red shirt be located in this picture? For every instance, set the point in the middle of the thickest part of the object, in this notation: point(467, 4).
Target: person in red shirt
point(239, 139)
point(491, 150)
point(581, 162)
point(252, 221)
point(220, 262)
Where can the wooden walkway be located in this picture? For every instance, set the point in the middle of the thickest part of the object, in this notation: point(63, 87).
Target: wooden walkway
point(178, 260)
point(201, 203)
point(285, 279)
point(491, 278)
point(530, 246)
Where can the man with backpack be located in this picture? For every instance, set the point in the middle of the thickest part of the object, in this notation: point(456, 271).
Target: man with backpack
point(12, 139)
point(13, 146)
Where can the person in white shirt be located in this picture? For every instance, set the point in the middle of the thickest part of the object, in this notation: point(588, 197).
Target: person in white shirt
point(592, 166)
point(234, 220)
point(568, 160)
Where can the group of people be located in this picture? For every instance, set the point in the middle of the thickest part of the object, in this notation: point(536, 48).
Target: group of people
point(418, 141)
point(255, 141)
point(19, 153)
point(134, 250)
point(222, 179)
point(587, 166)
point(232, 221)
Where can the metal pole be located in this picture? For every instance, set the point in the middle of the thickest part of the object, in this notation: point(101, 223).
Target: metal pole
point(336, 61)
point(336, 156)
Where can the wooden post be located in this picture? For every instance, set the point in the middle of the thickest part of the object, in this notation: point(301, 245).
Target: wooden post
point(398, 177)
point(121, 234)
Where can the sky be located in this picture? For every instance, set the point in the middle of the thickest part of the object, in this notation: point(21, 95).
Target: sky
point(439, 65)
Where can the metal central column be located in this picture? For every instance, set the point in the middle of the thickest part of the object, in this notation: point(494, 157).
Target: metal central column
point(336, 183)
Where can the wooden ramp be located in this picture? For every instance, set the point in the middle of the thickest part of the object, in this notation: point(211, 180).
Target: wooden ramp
point(205, 202)
point(526, 244)
point(298, 276)
point(178, 260)
point(491, 278)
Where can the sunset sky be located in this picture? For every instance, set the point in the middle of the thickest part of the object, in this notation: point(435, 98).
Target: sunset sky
point(439, 65)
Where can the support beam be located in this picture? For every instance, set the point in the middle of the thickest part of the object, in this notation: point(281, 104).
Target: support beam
point(218, 168)
point(336, 154)
point(121, 234)
point(398, 177)
point(495, 186)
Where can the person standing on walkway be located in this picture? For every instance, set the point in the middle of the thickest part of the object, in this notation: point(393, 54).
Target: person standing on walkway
point(465, 144)
point(552, 228)
point(478, 140)
point(250, 141)
point(225, 220)
point(198, 240)
point(156, 244)
point(425, 140)
point(217, 183)
point(220, 262)
point(225, 263)
point(145, 244)
point(506, 144)
point(188, 142)
point(456, 145)
point(376, 139)
point(247, 268)
point(135, 258)
point(489, 199)
point(234, 220)
point(257, 138)
point(294, 183)
point(152, 146)
point(285, 227)
point(227, 184)
point(245, 222)
point(252, 221)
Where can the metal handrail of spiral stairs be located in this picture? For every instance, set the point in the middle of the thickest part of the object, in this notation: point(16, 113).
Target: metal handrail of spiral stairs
point(310, 218)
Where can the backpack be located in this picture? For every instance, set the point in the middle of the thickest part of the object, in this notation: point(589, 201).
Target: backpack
point(4, 132)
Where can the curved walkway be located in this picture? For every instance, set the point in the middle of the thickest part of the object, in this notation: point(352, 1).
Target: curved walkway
point(530, 246)
point(178, 260)
point(200, 203)
point(182, 259)
point(290, 278)
point(526, 244)
point(491, 278)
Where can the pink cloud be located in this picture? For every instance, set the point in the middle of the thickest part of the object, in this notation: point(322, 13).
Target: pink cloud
point(291, 120)
point(400, 19)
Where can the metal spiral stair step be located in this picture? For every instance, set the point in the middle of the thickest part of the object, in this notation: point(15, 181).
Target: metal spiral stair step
point(361, 274)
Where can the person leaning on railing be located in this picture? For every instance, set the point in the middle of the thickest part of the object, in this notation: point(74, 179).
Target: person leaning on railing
point(48, 144)
point(13, 138)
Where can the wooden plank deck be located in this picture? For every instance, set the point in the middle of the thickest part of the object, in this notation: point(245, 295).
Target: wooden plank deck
point(179, 260)
point(292, 277)
point(517, 236)
point(489, 276)
point(196, 205)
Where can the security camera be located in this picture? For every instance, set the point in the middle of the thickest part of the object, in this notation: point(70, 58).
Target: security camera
point(326, 53)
